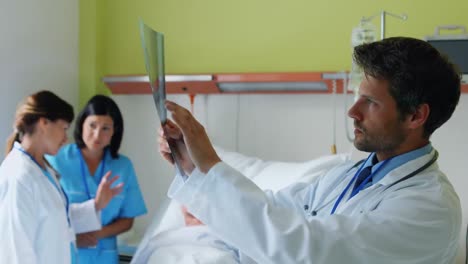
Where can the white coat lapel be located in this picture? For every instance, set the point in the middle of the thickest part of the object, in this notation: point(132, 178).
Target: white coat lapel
point(34, 169)
point(407, 168)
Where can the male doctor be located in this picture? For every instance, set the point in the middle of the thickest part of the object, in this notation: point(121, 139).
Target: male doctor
point(394, 207)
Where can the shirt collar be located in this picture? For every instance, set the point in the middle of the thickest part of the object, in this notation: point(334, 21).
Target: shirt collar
point(395, 162)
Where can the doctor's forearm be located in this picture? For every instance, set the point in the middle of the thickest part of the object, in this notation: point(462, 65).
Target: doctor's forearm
point(117, 227)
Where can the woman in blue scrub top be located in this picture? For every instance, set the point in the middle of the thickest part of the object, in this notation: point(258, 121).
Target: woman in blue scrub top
point(98, 134)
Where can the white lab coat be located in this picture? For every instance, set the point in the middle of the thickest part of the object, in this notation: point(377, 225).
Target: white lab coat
point(33, 220)
point(415, 221)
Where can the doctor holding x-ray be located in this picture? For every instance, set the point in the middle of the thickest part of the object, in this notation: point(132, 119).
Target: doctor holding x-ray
point(396, 206)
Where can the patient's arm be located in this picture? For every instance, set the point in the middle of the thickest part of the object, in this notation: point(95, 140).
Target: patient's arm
point(189, 219)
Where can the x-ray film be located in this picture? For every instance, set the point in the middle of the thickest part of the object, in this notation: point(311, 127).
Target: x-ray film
point(153, 49)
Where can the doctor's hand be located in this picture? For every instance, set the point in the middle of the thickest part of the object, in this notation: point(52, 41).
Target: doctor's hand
point(194, 135)
point(105, 193)
point(172, 133)
point(85, 240)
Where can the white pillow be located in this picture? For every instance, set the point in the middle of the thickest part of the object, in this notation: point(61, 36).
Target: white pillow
point(270, 175)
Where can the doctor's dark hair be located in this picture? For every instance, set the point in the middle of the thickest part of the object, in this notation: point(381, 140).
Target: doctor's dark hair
point(417, 74)
point(43, 104)
point(101, 105)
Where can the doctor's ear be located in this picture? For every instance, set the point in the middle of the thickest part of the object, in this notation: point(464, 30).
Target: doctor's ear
point(419, 117)
point(41, 123)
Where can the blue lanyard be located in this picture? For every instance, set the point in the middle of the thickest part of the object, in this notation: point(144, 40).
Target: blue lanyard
point(49, 177)
point(83, 170)
point(361, 186)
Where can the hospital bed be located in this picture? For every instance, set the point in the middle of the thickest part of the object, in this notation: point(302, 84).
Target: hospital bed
point(168, 240)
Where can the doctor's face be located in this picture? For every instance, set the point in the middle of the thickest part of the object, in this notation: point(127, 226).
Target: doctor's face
point(377, 123)
point(97, 132)
point(55, 135)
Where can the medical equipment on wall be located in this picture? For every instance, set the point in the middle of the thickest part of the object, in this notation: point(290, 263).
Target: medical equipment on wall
point(455, 46)
point(366, 32)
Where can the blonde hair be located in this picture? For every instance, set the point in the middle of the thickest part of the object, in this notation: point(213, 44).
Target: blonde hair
point(41, 104)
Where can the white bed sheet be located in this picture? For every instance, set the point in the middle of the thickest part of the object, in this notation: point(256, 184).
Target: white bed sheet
point(168, 240)
point(188, 244)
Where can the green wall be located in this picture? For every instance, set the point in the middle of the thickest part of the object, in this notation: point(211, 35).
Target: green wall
point(213, 36)
point(91, 50)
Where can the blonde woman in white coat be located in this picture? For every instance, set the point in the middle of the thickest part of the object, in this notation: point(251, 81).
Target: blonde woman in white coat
point(37, 224)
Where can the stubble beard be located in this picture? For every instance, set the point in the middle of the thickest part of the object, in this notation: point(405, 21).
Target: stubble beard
point(387, 143)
